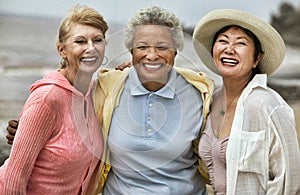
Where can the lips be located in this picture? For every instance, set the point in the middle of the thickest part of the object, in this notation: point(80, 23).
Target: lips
point(88, 59)
point(229, 61)
point(152, 66)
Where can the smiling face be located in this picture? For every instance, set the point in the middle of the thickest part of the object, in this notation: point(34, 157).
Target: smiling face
point(84, 48)
point(153, 54)
point(233, 53)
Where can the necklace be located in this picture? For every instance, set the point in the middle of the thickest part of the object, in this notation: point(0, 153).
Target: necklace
point(222, 112)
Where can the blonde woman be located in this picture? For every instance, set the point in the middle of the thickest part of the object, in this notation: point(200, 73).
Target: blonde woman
point(59, 143)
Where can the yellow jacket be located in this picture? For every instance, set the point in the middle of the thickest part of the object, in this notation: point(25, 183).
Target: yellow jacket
point(106, 97)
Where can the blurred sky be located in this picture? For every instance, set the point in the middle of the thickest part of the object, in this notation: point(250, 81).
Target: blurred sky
point(189, 11)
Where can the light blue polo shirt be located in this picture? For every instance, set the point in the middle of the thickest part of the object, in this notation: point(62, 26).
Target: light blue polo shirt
point(150, 139)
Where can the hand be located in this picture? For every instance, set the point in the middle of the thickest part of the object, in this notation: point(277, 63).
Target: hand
point(123, 66)
point(11, 129)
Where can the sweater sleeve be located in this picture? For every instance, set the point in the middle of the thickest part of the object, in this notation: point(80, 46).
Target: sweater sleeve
point(35, 128)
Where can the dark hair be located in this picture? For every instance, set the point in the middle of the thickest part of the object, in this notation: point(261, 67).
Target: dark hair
point(257, 45)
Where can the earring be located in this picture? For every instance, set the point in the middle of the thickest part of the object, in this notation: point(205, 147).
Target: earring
point(64, 63)
point(106, 60)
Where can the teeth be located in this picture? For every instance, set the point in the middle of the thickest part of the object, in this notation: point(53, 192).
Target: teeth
point(88, 59)
point(151, 66)
point(230, 61)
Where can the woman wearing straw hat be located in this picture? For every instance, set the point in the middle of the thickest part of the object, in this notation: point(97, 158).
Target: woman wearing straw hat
point(249, 144)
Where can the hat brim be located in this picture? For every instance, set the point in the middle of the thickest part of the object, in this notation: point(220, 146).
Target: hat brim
point(271, 42)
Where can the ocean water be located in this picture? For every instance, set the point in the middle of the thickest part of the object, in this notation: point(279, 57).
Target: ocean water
point(28, 51)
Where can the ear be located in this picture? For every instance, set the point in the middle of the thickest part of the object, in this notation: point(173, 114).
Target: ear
point(61, 50)
point(259, 58)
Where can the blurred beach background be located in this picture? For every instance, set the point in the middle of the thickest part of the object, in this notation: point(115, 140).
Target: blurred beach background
point(28, 35)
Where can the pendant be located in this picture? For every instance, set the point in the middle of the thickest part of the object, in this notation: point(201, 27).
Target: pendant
point(222, 112)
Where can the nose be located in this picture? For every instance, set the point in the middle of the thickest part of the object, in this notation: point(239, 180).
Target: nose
point(229, 49)
point(152, 53)
point(89, 46)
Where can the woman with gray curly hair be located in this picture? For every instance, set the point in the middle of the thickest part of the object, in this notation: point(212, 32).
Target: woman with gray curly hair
point(152, 112)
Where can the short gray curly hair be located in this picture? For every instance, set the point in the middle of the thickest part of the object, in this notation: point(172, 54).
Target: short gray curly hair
point(155, 16)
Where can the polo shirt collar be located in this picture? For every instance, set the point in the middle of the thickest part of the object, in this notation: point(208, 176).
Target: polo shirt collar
point(136, 87)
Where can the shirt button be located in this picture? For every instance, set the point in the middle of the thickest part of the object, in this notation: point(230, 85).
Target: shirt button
point(149, 130)
point(150, 105)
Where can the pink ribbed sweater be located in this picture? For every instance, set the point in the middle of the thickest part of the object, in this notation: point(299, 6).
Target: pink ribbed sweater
point(58, 143)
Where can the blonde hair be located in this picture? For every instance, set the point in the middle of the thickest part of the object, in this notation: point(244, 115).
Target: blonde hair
point(80, 14)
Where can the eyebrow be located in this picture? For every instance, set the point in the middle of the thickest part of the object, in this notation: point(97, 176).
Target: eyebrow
point(156, 43)
point(240, 37)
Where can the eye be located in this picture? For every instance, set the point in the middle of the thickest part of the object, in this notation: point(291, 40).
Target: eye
point(80, 41)
point(142, 47)
point(99, 40)
point(221, 41)
point(162, 48)
point(241, 43)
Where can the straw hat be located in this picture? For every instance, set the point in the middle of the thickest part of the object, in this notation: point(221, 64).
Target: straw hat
point(271, 42)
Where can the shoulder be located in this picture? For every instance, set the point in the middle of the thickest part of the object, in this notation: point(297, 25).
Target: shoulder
point(198, 79)
point(265, 99)
point(51, 95)
point(112, 74)
point(217, 92)
point(187, 73)
point(108, 79)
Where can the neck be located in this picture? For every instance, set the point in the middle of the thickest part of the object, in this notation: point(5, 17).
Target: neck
point(79, 80)
point(82, 81)
point(153, 86)
point(230, 94)
point(234, 88)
